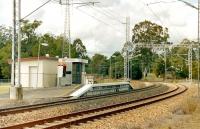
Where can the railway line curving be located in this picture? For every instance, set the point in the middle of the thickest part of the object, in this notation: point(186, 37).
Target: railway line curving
point(76, 118)
point(28, 108)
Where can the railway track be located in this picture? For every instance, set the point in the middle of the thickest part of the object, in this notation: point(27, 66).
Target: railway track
point(28, 108)
point(76, 118)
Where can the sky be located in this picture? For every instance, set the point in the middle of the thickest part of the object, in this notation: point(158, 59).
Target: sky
point(101, 27)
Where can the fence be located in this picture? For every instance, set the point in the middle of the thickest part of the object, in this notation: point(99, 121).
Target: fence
point(5, 82)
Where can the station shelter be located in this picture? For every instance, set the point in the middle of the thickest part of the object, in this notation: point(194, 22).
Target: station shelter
point(71, 71)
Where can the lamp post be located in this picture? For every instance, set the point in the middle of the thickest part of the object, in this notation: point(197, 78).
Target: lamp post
point(38, 59)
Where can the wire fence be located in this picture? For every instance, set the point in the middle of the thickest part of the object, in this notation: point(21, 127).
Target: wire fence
point(5, 82)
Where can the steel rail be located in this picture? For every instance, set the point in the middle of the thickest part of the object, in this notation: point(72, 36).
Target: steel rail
point(85, 112)
point(26, 108)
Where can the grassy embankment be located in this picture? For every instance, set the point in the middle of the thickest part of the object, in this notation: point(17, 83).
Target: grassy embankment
point(4, 88)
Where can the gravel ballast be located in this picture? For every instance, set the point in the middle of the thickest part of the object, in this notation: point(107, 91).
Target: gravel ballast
point(146, 117)
point(64, 109)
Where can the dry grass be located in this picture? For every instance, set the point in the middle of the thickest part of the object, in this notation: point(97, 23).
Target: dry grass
point(190, 105)
point(127, 126)
point(4, 89)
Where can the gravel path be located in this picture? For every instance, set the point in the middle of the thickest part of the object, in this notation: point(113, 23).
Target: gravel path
point(142, 118)
point(64, 109)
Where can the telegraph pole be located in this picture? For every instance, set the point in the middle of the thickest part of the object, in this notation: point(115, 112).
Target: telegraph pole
point(16, 91)
point(13, 44)
point(19, 44)
point(198, 46)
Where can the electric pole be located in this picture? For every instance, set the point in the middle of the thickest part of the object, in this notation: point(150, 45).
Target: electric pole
point(67, 23)
point(13, 44)
point(19, 44)
point(16, 91)
point(198, 38)
point(126, 57)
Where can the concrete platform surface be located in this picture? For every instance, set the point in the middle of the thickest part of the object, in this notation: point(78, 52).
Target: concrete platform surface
point(31, 96)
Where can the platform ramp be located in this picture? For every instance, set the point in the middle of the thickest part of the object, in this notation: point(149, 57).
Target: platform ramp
point(101, 89)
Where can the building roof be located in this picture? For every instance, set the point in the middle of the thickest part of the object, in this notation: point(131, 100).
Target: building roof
point(35, 59)
point(78, 60)
point(40, 58)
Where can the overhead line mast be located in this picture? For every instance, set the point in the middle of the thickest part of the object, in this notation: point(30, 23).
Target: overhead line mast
point(127, 49)
point(189, 47)
point(67, 23)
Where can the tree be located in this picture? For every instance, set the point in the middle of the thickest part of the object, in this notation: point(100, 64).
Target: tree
point(30, 44)
point(136, 71)
point(5, 55)
point(30, 39)
point(5, 35)
point(98, 62)
point(159, 67)
point(117, 65)
point(147, 32)
point(179, 59)
point(78, 49)
point(5, 51)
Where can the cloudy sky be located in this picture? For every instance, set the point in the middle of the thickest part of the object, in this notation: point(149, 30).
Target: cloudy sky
point(100, 27)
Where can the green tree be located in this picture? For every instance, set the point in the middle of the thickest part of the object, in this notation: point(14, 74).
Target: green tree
point(30, 37)
point(5, 35)
point(5, 55)
point(5, 51)
point(78, 49)
point(179, 59)
point(117, 65)
point(159, 67)
point(136, 73)
point(147, 32)
point(98, 61)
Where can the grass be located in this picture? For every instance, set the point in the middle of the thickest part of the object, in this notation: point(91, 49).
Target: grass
point(4, 89)
point(190, 106)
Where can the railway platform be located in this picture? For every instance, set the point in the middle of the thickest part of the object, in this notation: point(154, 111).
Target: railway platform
point(32, 96)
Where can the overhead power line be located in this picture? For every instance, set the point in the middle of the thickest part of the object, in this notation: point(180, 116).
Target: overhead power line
point(36, 9)
point(189, 4)
point(105, 13)
point(99, 20)
point(161, 2)
point(155, 15)
point(165, 2)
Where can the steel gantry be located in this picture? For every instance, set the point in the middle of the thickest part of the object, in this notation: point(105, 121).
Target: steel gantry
point(67, 22)
point(129, 47)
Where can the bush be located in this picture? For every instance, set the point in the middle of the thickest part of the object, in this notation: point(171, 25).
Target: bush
point(136, 72)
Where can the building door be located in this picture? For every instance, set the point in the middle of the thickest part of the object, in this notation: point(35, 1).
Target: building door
point(33, 76)
point(76, 73)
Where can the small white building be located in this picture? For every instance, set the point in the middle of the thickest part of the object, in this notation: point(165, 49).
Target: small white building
point(38, 73)
point(71, 71)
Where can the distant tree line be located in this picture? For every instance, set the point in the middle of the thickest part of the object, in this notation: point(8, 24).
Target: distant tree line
point(144, 61)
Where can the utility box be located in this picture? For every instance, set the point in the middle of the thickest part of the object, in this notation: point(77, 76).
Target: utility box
point(89, 79)
point(71, 71)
